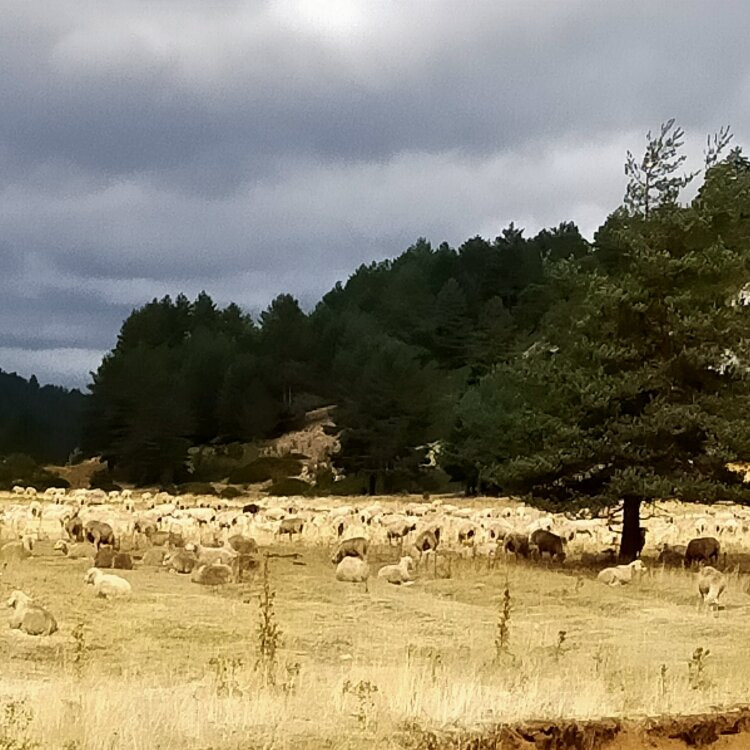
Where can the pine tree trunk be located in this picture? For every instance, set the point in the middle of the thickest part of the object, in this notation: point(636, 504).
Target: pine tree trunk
point(630, 543)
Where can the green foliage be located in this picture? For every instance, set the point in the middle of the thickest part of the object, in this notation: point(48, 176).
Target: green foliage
point(287, 487)
point(636, 386)
point(44, 422)
point(196, 488)
point(102, 479)
point(20, 469)
point(266, 468)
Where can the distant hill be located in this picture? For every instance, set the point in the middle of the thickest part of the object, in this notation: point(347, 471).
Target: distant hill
point(44, 422)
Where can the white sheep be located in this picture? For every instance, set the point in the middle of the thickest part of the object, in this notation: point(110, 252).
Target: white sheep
point(107, 585)
point(75, 550)
point(711, 584)
point(403, 573)
point(621, 574)
point(353, 570)
point(29, 616)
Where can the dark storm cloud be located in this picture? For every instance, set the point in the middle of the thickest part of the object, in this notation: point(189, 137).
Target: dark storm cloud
point(251, 148)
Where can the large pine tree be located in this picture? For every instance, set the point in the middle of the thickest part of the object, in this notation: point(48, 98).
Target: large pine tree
point(637, 387)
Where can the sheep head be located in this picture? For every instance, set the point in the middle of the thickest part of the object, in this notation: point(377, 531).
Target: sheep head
point(18, 599)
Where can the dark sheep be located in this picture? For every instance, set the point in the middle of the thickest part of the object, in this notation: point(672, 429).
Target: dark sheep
point(548, 544)
point(104, 557)
point(251, 508)
point(99, 533)
point(354, 547)
point(122, 561)
point(74, 529)
point(672, 556)
point(702, 549)
point(182, 561)
point(518, 544)
point(243, 544)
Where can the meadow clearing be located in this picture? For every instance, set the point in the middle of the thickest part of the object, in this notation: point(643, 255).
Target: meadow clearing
point(469, 644)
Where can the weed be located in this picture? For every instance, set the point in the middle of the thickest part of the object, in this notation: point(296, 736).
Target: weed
point(269, 635)
point(225, 670)
point(697, 678)
point(14, 726)
point(364, 693)
point(80, 649)
point(502, 637)
point(560, 645)
point(289, 685)
point(663, 681)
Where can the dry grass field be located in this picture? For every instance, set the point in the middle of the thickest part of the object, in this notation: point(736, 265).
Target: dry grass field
point(175, 665)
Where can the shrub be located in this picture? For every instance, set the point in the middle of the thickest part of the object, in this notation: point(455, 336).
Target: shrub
point(18, 468)
point(103, 480)
point(229, 493)
point(265, 468)
point(196, 488)
point(285, 487)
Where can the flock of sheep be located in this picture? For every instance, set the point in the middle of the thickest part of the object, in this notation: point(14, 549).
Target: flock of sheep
point(216, 542)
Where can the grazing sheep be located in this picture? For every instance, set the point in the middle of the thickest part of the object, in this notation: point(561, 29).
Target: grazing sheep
point(104, 556)
point(19, 550)
point(702, 549)
point(29, 616)
point(403, 573)
point(291, 526)
point(251, 508)
point(98, 533)
point(214, 574)
point(427, 541)
point(518, 544)
point(711, 584)
point(107, 585)
point(671, 556)
point(548, 543)
point(243, 544)
point(621, 574)
point(181, 561)
point(353, 570)
point(75, 550)
point(354, 547)
point(74, 528)
point(396, 530)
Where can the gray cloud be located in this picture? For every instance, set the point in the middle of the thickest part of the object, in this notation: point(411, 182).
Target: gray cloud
point(251, 148)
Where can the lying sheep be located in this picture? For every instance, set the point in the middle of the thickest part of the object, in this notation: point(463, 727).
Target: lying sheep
point(28, 616)
point(353, 570)
point(122, 561)
point(621, 574)
point(353, 547)
point(214, 574)
point(75, 550)
point(18, 550)
point(403, 573)
point(154, 556)
point(181, 561)
point(104, 556)
point(107, 585)
point(711, 584)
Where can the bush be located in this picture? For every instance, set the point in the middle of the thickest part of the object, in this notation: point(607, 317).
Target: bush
point(229, 493)
point(196, 488)
point(285, 487)
point(265, 468)
point(18, 468)
point(103, 480)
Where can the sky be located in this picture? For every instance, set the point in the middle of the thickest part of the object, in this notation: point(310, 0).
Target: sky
point(152, 147)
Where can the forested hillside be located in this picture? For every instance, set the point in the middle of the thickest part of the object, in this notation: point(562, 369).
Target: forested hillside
point(394, 347)
point(42, 421)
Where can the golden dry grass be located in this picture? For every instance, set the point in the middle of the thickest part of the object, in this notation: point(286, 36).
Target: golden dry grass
point(173, 666)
